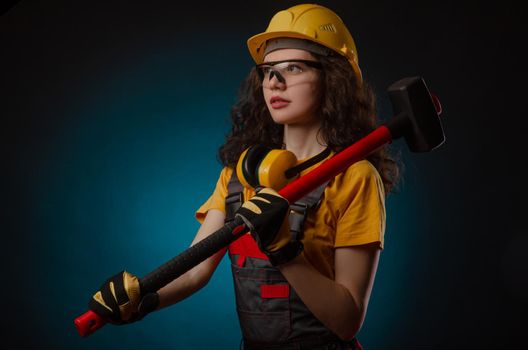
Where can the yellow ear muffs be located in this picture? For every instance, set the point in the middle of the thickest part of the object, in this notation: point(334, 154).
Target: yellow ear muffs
point(272, 169)
point(247, 166)
point(262, 166)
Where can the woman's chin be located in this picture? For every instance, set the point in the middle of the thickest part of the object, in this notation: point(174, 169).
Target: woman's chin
point(284, 119)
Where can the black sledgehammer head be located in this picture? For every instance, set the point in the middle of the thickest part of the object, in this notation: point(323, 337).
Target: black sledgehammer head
point(415, 115)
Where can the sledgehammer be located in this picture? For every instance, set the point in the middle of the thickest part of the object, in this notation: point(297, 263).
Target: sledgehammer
point(415, 119)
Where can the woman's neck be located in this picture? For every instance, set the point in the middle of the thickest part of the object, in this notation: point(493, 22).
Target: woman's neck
point(303, 140)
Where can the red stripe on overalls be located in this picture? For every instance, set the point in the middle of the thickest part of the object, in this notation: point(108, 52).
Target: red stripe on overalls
point(246, 247)
point(271, 291)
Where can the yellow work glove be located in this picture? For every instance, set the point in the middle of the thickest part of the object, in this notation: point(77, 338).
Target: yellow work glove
point(266, 215)
point(119, 300)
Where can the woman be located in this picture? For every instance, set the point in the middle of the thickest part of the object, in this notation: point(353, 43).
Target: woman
point(300, 283)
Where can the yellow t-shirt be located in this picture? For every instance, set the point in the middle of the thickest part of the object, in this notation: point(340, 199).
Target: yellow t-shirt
point(351, 212)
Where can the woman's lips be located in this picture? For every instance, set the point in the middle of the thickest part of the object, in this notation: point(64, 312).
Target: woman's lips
point(278, 102)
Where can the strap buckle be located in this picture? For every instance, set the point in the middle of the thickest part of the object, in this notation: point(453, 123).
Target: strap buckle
point(298, 213)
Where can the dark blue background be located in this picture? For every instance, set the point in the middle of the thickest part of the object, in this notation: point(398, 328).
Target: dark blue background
point(112, 113)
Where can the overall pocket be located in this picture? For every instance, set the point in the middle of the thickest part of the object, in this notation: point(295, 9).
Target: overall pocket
point(263, 303)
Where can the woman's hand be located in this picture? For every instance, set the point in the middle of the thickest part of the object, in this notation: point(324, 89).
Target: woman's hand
point(119, 299)
point(266, 215)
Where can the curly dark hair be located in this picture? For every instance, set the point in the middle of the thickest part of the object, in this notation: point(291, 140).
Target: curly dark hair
point(348, 112)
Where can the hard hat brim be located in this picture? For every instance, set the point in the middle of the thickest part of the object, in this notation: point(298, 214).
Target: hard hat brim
point(256, 46)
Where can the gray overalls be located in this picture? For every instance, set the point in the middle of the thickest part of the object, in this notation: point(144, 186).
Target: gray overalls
point(271, 314)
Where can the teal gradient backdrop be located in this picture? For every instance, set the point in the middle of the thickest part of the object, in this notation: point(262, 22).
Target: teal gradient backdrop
point(115, 112)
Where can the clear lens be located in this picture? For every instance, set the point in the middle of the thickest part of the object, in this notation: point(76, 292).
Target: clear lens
point(286, 69)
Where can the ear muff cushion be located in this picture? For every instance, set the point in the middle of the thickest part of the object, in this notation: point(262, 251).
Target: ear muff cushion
point(272, 168)
point(251, 162)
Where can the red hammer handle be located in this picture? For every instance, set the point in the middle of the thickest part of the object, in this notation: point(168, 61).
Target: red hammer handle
point(417, 120)
point(88, 323)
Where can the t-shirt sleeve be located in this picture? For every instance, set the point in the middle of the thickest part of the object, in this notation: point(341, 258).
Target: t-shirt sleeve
point(361, 215)
point(217, 199)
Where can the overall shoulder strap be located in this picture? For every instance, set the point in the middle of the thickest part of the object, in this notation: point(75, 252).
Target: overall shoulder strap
point(235, 197)
point(299, 210)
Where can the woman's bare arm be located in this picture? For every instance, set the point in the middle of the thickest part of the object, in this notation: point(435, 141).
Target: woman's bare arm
point(196, 278)
point(339, 304)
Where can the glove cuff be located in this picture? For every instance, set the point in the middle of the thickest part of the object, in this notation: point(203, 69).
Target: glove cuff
point(286, 253)
point(149, 303)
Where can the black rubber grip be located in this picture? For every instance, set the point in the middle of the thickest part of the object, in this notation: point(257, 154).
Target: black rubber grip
point(192, 256)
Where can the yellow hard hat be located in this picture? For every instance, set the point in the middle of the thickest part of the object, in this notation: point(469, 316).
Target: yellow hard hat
point(310, 22)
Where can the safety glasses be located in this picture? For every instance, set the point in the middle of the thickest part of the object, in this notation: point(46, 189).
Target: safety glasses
point(287, 70)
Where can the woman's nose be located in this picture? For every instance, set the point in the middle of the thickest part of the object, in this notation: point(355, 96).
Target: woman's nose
point(276, 80)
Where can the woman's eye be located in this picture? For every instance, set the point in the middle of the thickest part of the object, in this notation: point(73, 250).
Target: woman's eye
point(294, 68)
point(265, 70)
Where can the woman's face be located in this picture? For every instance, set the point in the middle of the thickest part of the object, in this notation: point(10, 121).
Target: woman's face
point(293, 95)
